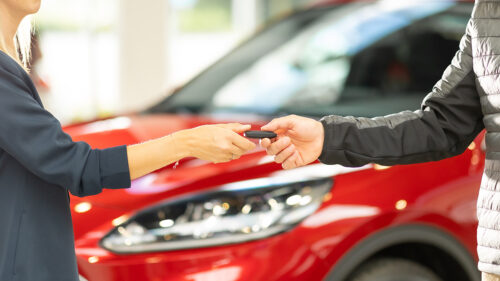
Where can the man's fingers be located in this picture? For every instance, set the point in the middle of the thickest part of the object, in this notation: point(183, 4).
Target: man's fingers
point(277, 146)
point(285, 154)
point(282, 123)
point(291, 162)
point(265, 143)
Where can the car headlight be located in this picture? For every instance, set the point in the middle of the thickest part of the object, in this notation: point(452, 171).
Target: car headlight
point(234, 213)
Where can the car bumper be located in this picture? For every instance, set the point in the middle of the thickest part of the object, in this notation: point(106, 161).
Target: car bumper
point(281, 257)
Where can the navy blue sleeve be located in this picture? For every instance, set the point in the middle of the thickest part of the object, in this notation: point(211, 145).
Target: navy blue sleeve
point(34, 137)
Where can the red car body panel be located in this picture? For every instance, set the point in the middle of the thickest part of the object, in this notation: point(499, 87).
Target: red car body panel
point(355, 210)
point(361, 203)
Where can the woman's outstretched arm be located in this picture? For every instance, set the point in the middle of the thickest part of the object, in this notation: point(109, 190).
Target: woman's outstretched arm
point(35, 139)
point(214, 143)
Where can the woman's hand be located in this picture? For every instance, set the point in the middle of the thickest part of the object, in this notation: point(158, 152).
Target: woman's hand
point(215, 143)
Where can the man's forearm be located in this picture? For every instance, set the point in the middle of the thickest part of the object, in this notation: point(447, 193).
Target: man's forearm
point(444, 127)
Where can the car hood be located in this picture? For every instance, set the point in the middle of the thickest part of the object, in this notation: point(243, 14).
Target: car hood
point(131, 129)
point(190, 175)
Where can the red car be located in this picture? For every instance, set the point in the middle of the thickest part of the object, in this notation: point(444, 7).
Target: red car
point(249, 220)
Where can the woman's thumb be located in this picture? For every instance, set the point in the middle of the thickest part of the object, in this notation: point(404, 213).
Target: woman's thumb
point(236, 127)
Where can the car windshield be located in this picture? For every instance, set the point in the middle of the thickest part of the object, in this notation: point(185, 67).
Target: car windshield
point(317, 67)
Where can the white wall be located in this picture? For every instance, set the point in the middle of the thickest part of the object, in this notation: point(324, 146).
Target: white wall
point(143, 29)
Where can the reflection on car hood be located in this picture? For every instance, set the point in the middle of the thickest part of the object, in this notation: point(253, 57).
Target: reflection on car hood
point(191, 175)
point(167, 181)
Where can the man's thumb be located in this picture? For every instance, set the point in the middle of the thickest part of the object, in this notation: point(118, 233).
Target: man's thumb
point(283, 123)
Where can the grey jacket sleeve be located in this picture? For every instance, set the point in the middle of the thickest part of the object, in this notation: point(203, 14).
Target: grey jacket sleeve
point(35, 139)
point(449, 119)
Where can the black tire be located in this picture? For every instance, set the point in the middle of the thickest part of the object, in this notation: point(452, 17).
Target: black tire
point(393, 269)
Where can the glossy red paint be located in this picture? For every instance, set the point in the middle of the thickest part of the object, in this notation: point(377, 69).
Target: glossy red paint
point(441, 194)
point(361, 203)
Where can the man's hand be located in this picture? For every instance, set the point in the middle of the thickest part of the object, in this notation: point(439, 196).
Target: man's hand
point(299, 141)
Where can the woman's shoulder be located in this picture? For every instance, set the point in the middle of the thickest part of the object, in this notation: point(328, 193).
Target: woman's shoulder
point(11, 71)
point(7, 63)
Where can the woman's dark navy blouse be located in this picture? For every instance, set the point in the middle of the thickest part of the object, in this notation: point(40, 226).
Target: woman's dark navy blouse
point(39, 164)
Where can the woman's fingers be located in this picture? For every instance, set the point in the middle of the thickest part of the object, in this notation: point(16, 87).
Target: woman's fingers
point(232, 146)
point(235, 127)
point(242, 142)
point(236, 140)
point(231, 153)
point(221, 143)
point(236, 151)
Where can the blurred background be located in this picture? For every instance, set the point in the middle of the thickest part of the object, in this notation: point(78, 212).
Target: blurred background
point(97, 58)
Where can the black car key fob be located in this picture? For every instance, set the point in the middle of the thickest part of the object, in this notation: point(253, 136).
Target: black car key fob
point(260, 134)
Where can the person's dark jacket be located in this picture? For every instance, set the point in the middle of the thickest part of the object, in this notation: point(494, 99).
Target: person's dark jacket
point(39, 164)
point(461, 104)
